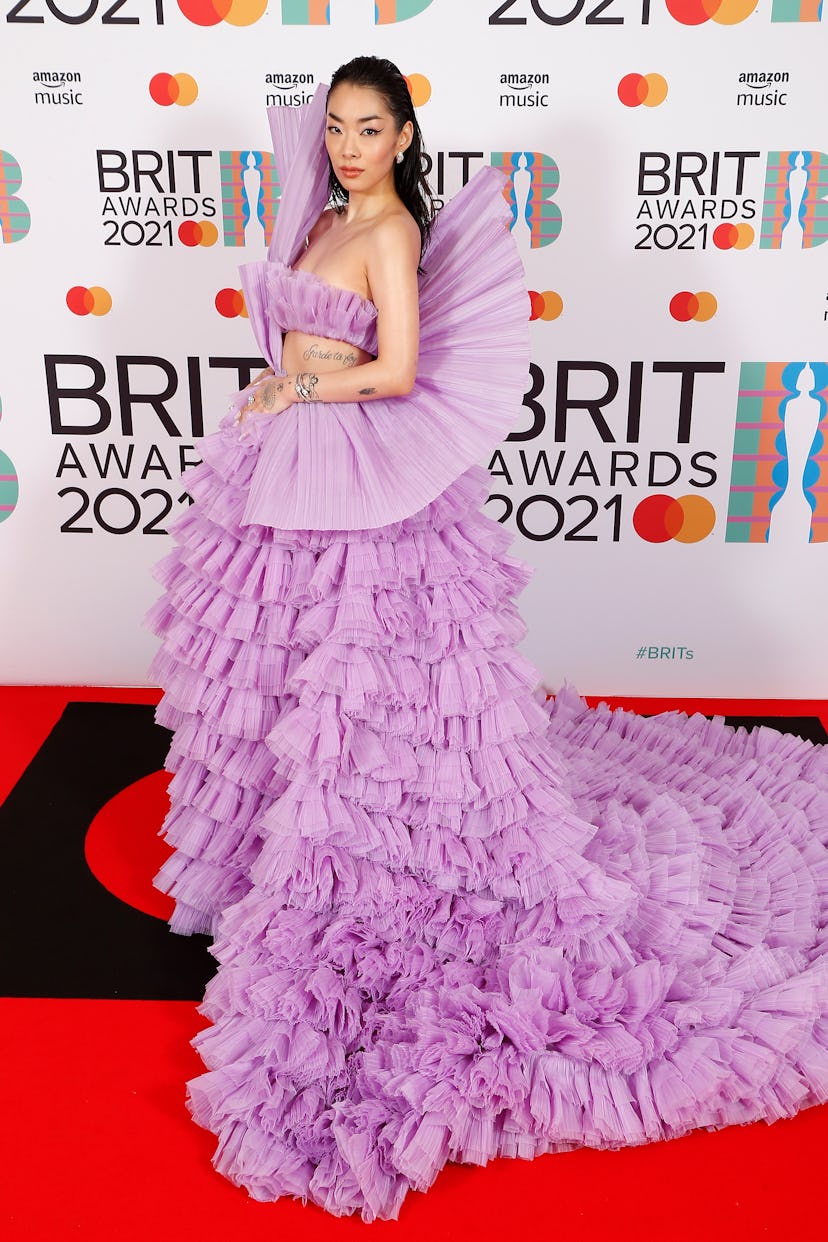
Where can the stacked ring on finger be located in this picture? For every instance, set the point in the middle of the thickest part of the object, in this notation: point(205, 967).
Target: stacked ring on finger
point(251, 399)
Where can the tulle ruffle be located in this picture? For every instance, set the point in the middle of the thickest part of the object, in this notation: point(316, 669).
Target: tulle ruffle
point(459, 922)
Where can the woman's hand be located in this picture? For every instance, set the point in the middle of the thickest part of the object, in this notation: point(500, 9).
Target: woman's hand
point(268, 394)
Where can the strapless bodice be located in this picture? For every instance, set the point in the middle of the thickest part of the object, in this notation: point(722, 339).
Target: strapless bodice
point(301, 301)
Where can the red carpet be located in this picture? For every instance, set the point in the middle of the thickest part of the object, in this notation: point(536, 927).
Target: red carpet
point(96, 1141)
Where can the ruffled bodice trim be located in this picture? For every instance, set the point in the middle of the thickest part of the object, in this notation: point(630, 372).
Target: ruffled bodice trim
point(300, 300)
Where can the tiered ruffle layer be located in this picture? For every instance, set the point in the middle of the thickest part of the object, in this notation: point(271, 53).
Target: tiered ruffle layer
point(451, 922)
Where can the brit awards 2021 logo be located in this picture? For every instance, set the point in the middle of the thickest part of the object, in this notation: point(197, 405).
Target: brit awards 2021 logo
point(696, 200)
point(163, 197)
point(587, 467)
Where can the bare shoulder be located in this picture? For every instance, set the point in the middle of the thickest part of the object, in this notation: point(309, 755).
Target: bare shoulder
point(397, 233)
point(322, 225)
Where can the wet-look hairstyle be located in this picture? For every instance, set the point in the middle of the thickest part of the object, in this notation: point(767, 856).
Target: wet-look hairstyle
point(381, 75)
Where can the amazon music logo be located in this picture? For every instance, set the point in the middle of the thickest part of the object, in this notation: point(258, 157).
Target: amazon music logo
point(762, 90)
point(523, 90)
point(57, 87)
point(288, 90)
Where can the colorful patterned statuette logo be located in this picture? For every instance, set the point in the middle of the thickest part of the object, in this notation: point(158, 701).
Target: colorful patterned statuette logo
point(9, 486)
point(533, 181)
point(15, 220)
point(779, 478)
point(795, 208)
point(250, 191)
point(318, 12)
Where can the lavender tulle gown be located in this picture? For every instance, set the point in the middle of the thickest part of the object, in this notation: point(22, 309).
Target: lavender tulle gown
point(452, 923)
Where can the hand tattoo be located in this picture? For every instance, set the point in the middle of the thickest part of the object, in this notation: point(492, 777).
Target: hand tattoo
point(269, 392)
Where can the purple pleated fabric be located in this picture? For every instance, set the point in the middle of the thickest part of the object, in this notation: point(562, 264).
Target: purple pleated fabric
point(454, 922)
point(364, 465)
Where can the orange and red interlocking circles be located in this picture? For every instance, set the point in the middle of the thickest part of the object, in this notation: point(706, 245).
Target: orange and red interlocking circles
point(91, 301)
point(211, 12)
point(197, 233)
point(649, 89)
point(546, 305)
point(723, 12)
point(733, 236)
point(419, 88)
point(230, 303)
point(699, 307)
point(687, 519)
point(173, 88)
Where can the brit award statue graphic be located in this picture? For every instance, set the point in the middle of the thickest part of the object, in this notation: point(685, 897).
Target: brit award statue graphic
point(792, 507)
point(793, 234)
point(252, 189)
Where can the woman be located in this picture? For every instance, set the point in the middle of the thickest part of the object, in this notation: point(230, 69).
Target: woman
point(371, 246)
point(449, 925)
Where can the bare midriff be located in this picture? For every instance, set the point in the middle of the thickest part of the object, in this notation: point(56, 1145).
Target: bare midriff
point(302, 351)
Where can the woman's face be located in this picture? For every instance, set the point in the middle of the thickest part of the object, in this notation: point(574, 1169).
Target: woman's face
point(361, 137)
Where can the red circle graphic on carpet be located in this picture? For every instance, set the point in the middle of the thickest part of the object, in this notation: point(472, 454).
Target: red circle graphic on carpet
point(122, 847)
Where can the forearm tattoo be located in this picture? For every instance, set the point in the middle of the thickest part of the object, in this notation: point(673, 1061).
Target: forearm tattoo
point(270, 391)
point(366, 392)
point(306, 386)
point(329, 355)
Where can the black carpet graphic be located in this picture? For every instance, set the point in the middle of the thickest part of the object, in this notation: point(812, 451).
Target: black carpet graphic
point(64, 934)
point(70, 936)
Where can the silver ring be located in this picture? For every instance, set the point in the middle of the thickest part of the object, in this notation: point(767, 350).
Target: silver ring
point(251, 399)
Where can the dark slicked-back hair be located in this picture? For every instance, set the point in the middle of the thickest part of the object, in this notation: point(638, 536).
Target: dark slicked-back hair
point(383, 76)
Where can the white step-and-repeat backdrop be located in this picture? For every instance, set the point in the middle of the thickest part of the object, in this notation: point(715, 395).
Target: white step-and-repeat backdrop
point(668, 475)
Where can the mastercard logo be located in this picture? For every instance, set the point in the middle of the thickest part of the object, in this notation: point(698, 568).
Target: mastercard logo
point(197, 233)
point(91, 301)
point(173, 88)
point(724, 12)
point(687, 519)
point(696, 306)
point(211, 12)
point(230, 303)
point(649, 89)
point(419, 88)
point(733, 236)
point(9, 487)
point(546, 305)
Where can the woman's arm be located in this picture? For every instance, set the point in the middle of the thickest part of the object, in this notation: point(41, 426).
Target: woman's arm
point(391, 270)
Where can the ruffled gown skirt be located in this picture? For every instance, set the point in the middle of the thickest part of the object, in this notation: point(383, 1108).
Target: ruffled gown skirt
point(452, 921)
